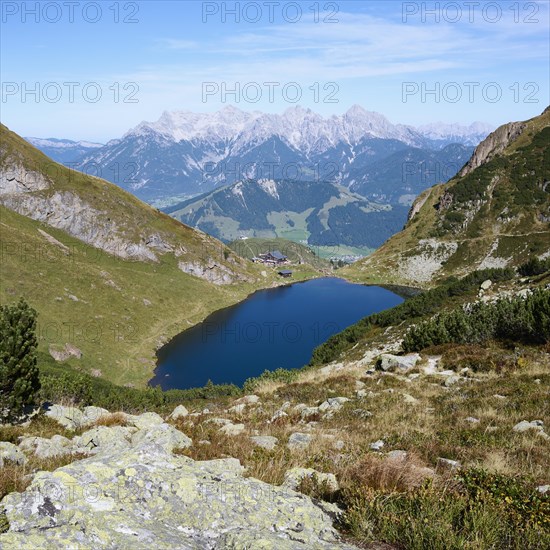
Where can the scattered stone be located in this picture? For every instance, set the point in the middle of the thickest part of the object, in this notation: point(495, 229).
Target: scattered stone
point(47, 448)
point(410, 399)
point(219, 421)
point(160, 435)
point(472, 420)
point(403, 363)
point(308, 412)
point(397, 455)
point(497, 396)
point(232, 429)
point(237, 409)
point(448, 464)
point(278, 415)
point(93, 414)
point(146, 302)
point(338, 445)
point(248, 400)
point(431, 365)
point(145, 420)
point(9, 451)
point(362, 413)
point(377, 445)
point(64, 353)
point(294, 477)
point(70, 418)
point(486, 285)
point(333, 404)
point(525, 425)
point(102, 438)
point(299, 441)
point(359, 385)
point(451, 381)
point(179, 412)
point(267, 442)
point(543, 489)
point(204, 442)
point(72, 297)
point(361, 394)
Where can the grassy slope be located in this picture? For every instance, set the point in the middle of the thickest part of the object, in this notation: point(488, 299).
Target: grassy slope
point(110, 322)
point(515, 240)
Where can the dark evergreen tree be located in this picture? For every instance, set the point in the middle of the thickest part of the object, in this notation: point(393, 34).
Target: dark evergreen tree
point(19, 380)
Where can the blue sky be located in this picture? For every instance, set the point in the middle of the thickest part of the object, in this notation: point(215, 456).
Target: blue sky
point(486, 61)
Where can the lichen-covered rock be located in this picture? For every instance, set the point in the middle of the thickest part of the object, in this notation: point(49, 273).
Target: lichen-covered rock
point(93, 414)
point(46, 448)
point(145, 497)
point(70, 418)
point(9, 451)
point(333, 404)
point(404, 363)
point(145, 420)
point(179, 412)
point(104, 438)
point(163, 435)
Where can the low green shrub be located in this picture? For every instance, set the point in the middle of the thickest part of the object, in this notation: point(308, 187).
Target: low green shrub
point(519, 319)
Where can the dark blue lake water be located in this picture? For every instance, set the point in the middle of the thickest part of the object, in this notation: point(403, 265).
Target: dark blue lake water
point(272, 328)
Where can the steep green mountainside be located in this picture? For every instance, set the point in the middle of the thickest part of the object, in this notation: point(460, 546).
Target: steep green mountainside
point(297, 253)
point(111, 277)
point(494, 213)
point(321, 213)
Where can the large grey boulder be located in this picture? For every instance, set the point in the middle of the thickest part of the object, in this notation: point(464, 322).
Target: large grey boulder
point(179, 412)
point(401, 363)
point(93, 414)
point(145, 497)
point(299, 441)
point(103, 438)
point(333, 404)
point(70, 418)
point(10, 452)
point(267, 442)
point(145, 420)
point(46, 448)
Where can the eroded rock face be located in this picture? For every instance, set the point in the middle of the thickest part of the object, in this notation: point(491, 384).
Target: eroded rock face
point(493, 144)
point(141, 495)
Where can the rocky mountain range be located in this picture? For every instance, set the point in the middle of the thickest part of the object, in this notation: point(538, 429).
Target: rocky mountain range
point(185, 154)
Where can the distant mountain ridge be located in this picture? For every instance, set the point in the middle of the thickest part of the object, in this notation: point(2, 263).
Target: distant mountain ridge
point(319, 213)
point(184, 154)
point(64, 150)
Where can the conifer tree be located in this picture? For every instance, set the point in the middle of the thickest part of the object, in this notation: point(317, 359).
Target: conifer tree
point(19, 381)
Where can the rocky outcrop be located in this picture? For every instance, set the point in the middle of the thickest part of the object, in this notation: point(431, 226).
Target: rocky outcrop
point(135, 493)
point(68, 212)
point(212, 272)
point(492, 145)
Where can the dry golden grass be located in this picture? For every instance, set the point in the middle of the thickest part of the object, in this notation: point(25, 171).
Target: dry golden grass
point(17, 477)
point(113, 419)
